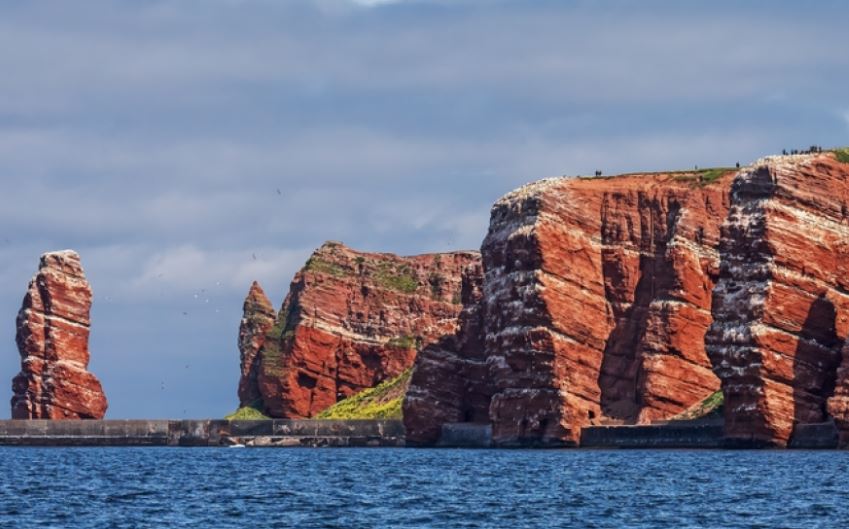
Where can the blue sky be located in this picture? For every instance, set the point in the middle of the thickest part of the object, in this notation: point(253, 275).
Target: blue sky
point(152, 137)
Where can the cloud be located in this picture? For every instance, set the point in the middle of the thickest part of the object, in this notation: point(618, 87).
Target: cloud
point(189, 269)
point(374, 3)
point(169, 145)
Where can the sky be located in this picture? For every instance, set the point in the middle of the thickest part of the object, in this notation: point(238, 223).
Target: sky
point(186, 148)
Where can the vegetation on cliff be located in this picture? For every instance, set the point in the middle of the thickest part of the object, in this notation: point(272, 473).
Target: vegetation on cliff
point(710, 407)
point(380, 402)
point(842, 155)
point(246, 413)
point(400, 278)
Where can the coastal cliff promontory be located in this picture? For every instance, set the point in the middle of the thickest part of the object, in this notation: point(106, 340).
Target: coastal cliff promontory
point(628, 300)
point(351, 320)
point(594, 303)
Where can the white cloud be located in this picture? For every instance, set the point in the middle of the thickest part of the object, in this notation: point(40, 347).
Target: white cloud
point(373, 3)
point(189, 269)
point(153, 137)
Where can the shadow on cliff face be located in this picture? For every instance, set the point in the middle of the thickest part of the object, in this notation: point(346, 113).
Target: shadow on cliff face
point(621, 362)
point(815, 364)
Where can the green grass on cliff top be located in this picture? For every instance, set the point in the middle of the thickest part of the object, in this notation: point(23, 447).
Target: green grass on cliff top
point(701, 177)
point(710, 406)
point(380, 402)
point(842, 155)
point(246, 413)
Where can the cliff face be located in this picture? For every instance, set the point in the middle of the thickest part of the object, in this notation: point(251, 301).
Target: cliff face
point(593, 308)
point(781, 306)
point(258, 317)
point(450, 382)
point(52, 337)
point(352, 320)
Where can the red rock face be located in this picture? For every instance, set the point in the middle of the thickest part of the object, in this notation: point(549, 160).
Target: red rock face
point(352, 320)
point(595, 301)
point(781, 307)
point(258, 317)
point(450, 380)
point(53, 329)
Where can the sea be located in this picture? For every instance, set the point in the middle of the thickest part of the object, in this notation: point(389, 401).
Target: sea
point(410, 488)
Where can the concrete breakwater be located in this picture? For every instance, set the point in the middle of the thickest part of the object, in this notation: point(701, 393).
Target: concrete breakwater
point(311, 433)
point(351, 433)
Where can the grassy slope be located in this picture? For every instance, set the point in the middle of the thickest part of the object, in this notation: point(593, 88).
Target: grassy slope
point(247, 413)
point(842, 154)
point(712, 405)
point(380, 402)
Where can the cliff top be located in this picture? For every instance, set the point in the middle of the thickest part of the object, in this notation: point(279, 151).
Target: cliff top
point(693, 178)
point(340, 248)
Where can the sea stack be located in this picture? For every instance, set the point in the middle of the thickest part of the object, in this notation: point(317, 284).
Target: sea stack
point(52, 337)
point(352, 320)
point(257, 319)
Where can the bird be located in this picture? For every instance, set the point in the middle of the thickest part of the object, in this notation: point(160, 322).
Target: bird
point(254, 256)
point(185, 313)
point(278, 191)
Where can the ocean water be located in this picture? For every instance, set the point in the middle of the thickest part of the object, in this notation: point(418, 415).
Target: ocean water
point(369, 488)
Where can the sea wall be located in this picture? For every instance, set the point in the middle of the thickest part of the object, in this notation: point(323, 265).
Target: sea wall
point(200, 433)
point(697, 435)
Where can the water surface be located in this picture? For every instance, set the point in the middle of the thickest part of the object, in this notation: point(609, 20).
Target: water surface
point(367, 488)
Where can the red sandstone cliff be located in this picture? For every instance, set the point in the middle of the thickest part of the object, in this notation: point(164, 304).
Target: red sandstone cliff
point(450, 382)
point(52, 337)
point(625, 300)
point(351, 320)
point(781, 307)
point(258, 317)
point(595, 301)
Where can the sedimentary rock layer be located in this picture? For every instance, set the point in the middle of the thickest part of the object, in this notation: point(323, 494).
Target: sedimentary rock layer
point(353, 319)
point(52, 337)
point(450, 381)
point(258, 317)
point(595, 301)
point(781, 306)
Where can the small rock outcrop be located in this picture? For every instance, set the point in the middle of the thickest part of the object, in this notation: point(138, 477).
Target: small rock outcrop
point(258, 317)
point(781, 306)
point(352, 320)
point(52, 337)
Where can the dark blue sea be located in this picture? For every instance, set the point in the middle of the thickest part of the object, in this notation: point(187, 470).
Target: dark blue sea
point(369, 488)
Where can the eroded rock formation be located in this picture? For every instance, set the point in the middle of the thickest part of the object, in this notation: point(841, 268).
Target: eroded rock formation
point(595, 301)
point(52, 337)
point(258, 317)
point(353, 319)
point(450, 381)
point(781, 307)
